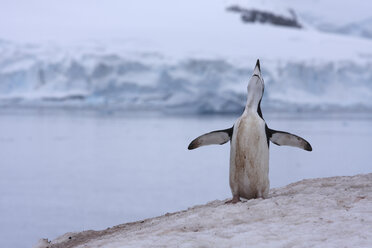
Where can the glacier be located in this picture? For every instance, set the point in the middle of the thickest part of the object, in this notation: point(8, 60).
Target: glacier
point(199, 69)
point(148, 81)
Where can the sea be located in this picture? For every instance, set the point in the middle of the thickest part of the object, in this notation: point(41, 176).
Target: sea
point(70, 171)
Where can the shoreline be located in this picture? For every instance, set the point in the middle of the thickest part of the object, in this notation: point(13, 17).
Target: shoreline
point(335, 211)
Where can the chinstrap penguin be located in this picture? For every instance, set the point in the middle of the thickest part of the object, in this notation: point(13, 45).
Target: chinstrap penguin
point(250, 139)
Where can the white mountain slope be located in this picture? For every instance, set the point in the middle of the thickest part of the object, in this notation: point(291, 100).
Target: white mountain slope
point(344, 17)
point(194, 67)
point(326, 212)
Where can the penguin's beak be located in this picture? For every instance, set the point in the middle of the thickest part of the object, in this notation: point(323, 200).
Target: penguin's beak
point(257, 69)
point(256, 84)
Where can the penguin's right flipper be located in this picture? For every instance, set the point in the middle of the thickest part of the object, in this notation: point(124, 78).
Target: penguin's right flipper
point(218, 137)
point(281, 138)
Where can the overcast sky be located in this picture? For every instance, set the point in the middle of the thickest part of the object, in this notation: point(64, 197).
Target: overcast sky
point(25, 20)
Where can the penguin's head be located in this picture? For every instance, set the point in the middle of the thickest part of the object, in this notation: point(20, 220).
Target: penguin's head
point(256, 85)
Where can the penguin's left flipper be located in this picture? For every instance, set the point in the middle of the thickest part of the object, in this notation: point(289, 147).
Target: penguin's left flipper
point(218, 137)
point(281, 138)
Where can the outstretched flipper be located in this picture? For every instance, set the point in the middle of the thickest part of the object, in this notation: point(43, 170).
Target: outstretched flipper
point(287, 139)
point(218, 137)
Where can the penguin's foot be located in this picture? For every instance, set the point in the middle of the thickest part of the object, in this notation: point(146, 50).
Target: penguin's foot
point(234, 200)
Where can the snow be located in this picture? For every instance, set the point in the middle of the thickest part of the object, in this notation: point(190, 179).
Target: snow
point(187, 65)
point(343, 17)
point(165, 77)
point(325, 212)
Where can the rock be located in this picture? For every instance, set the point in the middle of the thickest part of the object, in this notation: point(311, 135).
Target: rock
point(252, 15)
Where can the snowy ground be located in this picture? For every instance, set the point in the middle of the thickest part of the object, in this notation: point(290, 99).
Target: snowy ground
point(326, 212)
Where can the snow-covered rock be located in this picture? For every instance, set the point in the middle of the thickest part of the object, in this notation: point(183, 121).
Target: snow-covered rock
point(261, 16)
point(343, 17)
point(325, 212)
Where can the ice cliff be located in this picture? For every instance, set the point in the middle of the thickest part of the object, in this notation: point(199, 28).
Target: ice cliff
point(205, 68)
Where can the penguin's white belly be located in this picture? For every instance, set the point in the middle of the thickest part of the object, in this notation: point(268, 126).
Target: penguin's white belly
point(249, 158)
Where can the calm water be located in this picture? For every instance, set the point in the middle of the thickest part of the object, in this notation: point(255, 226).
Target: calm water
point(74, 172)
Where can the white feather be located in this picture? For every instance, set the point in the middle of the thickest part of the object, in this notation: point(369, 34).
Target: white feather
point(249, 157)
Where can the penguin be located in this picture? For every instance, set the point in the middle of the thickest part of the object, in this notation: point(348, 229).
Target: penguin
point(249, 145)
